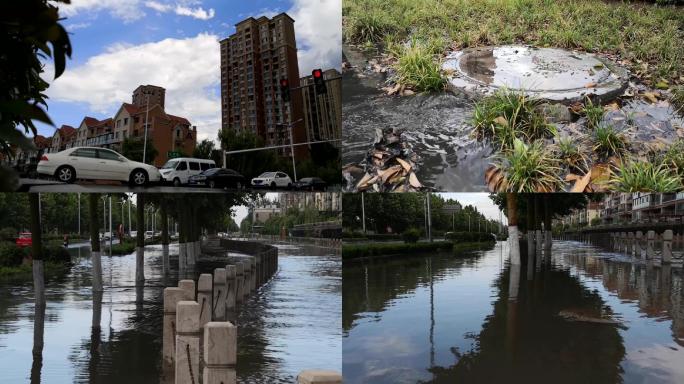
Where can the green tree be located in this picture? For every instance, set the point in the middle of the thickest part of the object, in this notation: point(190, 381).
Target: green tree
point(132, 148)
point(204, 149)
point(27, 30)
point(249, 164)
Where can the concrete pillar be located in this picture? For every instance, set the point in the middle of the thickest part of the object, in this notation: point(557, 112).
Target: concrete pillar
point(139, 265)
point(638, 238)
point(248, 278)
point(230, 288)
point(166, 265)
point(204, 294)
point(219, 302)
point(239, 281)
point(188, 286)
point(172, 296)
point(631, 244)
point(650, 245)
point(538, 237)
point(182, 255)
point(667, 246)
point(255, 274)
point(312, 376)
point(187, 342)
point(530, 244)
point(220, 353)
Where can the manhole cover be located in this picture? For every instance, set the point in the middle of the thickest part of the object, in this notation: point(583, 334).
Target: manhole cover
point(548, 73)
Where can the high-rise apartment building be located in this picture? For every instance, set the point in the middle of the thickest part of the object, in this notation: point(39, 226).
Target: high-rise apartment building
point(323, 113)
point(157, 95)
point(254, 59)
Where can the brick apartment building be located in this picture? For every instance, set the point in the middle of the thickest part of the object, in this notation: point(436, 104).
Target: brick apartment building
point(323, 113)
point(254, 59)
point(166, 132)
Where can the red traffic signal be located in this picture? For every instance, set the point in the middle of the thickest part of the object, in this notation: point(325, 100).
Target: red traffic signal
point(285, 89)
point(319, 82)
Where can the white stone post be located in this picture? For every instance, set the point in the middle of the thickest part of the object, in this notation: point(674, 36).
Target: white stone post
point(97, 271)
point(188, 286)
point(220, 353)
point(316, 376)
point(667, 246)
point(230, 288)
point(219, 302)
point(239, 281)
point(204, 294)
point(187, 342)
point(172, 296)
point(650, 245)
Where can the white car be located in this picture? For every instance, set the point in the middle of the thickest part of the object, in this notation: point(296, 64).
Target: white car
point(96, 163)
point(272, 180)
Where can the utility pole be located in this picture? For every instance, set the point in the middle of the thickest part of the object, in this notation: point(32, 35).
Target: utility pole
point(129, 215)
point(429, 217)
point(147, 113)
point(79, 213)
point(363, 213)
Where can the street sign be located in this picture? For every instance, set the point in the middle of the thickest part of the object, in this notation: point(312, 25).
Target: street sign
point(173, 154)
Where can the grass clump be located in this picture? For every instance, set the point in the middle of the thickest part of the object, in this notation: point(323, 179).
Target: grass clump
point(677, 98)
point(673, 158)
point(531, 168)
point(572, 154)
point(416, 66)
point(594, 114)
point(608, 142)
point(508, 115)
point(646, 177)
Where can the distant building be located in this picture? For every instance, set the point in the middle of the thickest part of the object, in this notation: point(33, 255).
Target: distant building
point(323, 113)
point(254, 59)
point(166, 132)
point(262, 213)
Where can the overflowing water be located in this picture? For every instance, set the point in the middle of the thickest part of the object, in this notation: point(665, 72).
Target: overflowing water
point(585, 316)
point(290, 325)
point(436, 125)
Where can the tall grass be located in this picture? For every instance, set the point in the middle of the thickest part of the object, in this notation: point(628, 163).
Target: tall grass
point(608, 142)
point(416, 66)
point(646, 177)
point(531, 168)
point(647, 33)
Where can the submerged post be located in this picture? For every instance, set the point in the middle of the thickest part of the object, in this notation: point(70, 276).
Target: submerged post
point(667, 246)
point(650, 245)
point(230, 289)
point(220, 353)
point(312, 376)
point(639, 236)
point(187, 342)
point(219, 303)
point(188, 286)
point(172, 296)
point(204, 291)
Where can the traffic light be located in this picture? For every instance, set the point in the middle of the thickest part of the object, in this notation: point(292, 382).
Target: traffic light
point(319, 82)
point(285, 89)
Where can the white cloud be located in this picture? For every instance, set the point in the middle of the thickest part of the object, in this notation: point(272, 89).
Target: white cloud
point(187, 68)
point(126, 10)
point(182, 10)
point(318, 27)
point(75, 26)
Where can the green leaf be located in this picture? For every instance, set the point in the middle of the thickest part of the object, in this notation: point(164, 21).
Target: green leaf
point(17, 138)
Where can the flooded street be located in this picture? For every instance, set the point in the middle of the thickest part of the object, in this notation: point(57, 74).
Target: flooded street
point(444, 319)
point(436, 125)
point(280, 331)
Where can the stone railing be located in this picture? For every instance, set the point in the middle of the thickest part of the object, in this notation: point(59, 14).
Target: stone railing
point(665, 247)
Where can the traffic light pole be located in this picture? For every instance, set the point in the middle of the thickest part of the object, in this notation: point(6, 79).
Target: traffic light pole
point(294, 166)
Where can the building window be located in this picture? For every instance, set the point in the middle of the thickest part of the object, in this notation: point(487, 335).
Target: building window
point(125, 121)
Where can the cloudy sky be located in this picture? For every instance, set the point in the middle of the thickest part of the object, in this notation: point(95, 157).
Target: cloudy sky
point(120, 44)
point(481, 201)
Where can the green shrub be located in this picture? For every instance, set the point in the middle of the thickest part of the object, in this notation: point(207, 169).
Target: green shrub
point(10, 254)
point(124, 248)
point(411, 235)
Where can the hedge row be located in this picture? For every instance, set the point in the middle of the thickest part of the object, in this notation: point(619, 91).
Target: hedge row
point(469, 237)
point(12, 256)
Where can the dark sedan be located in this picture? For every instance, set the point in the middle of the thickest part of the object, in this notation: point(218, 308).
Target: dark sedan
point(311, 184)
point(218, 178)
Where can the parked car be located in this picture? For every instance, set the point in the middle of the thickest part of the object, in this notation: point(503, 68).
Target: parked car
point(96, 164)
point(311, 184)
point(24, 239)
point(179, 170)
point(272, 180)
point(218, 178)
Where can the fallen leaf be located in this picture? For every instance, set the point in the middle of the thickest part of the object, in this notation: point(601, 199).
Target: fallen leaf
point(651, 97)
point(413, 180)
point(386, 174)
point(572, 177)
point(501, 121)
point(404, 164)
point(590, 85)
point(581, 184)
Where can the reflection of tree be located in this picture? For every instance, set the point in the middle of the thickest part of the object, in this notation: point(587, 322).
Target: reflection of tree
point(370, 285)
point(545, 347)
point(480, 65)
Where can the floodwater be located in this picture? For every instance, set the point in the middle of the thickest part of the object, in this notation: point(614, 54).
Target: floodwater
point(293, 323)
point(461, 318)
point(436, 125)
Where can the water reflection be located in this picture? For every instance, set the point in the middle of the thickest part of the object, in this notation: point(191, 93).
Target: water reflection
point(450, 319)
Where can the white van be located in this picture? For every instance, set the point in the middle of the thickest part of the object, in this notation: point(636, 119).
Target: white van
point(179, 170)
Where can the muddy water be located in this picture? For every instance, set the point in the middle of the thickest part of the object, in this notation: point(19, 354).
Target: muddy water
point(289, 326)
point(456, 318)
point(435, 124)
